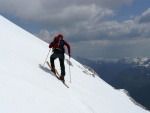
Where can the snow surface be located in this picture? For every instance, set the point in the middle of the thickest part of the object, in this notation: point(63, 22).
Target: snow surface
point(27, 87)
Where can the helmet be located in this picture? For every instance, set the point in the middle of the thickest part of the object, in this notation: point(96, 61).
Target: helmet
point(60, 35)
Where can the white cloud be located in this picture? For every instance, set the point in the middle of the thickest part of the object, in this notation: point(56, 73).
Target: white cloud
point(86, 23)
point(77, 17)
point(145, 17)
point(50, 10)
point(112, 48)
point(44, 35)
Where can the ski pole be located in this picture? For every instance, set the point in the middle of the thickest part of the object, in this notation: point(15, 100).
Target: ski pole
point(46, 57)
point(69, 70)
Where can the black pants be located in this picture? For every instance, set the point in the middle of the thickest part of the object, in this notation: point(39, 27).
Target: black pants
point(61, 60)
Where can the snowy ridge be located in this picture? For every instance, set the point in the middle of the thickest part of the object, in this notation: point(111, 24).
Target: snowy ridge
point(27, 87)
point(137, 61)
point(127, 93)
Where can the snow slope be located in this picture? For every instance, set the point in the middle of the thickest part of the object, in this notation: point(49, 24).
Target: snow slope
point(27, 87)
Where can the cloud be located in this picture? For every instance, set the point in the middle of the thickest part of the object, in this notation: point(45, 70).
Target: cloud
point(53, 12)
point(110, 30)
point(87, 26)
point(145, 17)
point(143, 22)
point(75, 18)
point(111, 48)
point(90, 23)
point(44, 35)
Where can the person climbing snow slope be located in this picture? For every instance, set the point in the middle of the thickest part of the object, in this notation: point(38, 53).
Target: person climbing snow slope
point(58, 52)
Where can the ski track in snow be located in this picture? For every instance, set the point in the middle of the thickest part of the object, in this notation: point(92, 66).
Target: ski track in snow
point(84, 107)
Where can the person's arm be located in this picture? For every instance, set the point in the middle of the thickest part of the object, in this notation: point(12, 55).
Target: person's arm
point(51, 45)
point(68, 47)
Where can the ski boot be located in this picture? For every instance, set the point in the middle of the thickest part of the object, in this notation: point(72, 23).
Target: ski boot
point(53, 70)
point(62, 78)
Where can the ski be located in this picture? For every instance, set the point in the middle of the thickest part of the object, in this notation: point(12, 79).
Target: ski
point(57, 74)
point(63, 82)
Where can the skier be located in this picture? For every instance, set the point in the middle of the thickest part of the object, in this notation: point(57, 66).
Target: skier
point(58, 52)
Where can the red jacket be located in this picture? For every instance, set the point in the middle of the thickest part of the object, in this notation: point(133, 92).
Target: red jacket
point(65, 43)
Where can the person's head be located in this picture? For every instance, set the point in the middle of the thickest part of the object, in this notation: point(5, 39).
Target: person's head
point(60, 36)
point(56, 39)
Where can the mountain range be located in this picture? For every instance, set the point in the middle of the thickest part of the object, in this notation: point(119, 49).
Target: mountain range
point(131, 74)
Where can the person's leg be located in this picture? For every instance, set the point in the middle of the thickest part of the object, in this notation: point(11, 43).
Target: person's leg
point(52, 58)
point(62, 65)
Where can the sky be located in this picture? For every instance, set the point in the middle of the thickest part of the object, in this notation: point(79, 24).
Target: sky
point(94, 29)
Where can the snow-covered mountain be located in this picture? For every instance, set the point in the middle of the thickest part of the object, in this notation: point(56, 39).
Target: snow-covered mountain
point(114, 66)
point(28, 87)
point(136, 61)
point(132, 74)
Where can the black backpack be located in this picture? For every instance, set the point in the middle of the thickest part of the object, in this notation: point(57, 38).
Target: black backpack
point(61, 45)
